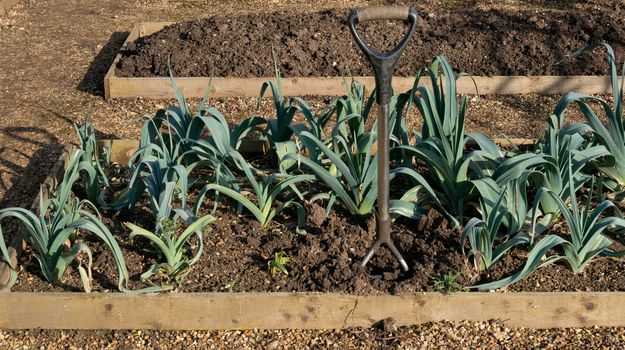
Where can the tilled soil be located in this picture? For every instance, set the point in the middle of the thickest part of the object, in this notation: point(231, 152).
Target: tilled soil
point(325, 259)
point(479, 42)
point(237, 251)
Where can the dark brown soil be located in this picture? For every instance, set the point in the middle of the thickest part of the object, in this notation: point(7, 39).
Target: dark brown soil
point(326, 259)
point(479, 42)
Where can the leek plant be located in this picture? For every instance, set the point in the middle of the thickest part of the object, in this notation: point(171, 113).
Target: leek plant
point(155, 144)
point(185, 129)
point(400, 106)
point(611, 136)
point(222, 140)
point(173, 248)
point(162, 182)
point(214, 152)
point(586, 228)
point(505, 216)
point(536, 258)
point(170, 156)
point(54, 229)
point(182, 124)
point(266, 188)
point(561, 145)
point(353, 112)
point(352, 175)
point(442, 140)
point(509, 176)
point(317, 124)
point(441, 143)
point(156, 150)
point(485, 238)
point(92, 184)
point(279, 129)
point(511, 198)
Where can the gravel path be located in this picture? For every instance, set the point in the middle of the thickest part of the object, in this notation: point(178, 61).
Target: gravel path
point(442, 335)
point(54, 56)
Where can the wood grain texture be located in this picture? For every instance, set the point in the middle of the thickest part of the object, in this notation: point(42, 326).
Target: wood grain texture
point(123, 149)
point(120, 150)
point(178, 311)
point(383, 12)
point(160, 87)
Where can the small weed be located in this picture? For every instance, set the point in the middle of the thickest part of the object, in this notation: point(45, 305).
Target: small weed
point(231, 287)
point(447, 283)
point(278, 264)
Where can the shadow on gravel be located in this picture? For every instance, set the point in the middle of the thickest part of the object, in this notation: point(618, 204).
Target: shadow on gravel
point(26, 179)
point(70, 122)
point(543, 4)
point(93, 81)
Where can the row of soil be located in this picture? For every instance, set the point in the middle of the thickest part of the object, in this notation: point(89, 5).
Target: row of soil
point(325, 259)
point(478, 42)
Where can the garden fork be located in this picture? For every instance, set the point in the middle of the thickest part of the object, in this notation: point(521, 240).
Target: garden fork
point(383, 64)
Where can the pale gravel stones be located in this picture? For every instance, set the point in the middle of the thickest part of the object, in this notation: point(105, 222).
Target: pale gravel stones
point(444, 335)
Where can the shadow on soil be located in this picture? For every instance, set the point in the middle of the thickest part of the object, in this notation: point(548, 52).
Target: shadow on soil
point(26, 179)
point(93, 81)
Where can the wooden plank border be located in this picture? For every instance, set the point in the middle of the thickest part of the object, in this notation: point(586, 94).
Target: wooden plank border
point(209, 311)
point(121, 150)
point(160, 88)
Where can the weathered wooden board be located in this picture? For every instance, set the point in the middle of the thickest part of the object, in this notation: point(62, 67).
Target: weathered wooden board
point(160, 88)
point(123, 149)
point(303, 310)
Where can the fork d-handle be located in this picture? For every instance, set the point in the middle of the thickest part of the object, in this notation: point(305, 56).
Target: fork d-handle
point(383, 64)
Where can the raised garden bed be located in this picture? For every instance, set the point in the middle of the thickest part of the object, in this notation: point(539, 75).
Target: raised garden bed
point(160, 87)
point(279, 310)
point(469, 213)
